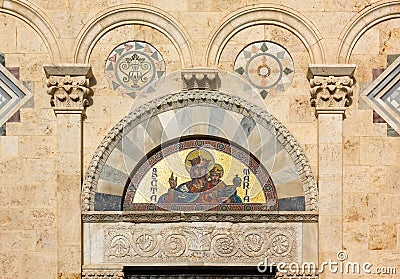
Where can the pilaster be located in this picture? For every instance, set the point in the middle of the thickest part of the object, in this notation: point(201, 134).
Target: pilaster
point(69, 88)
point(331, 93)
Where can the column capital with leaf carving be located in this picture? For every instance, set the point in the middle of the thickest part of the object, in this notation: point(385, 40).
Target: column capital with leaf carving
point(331, 87)
point(69, 86)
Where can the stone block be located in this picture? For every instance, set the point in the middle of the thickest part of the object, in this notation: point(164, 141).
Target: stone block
point(376, 151)
point(39, 218)
point(9, 147)
point(38, 265)
point(9, 263)
point(17, 241)
point(355, 236)
point(40, 170)
point(37, 146)
point(356, 179)
point(351, 151)
point(360, 208)
point(29, 41)
point(46, 240)
point(12, 218)
point(379, 181)
point(300, 109)
point(382, 236)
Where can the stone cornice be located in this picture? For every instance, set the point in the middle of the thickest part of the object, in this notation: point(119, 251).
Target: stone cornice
point(206, 216)
point(69, 87)
point(331, 87)
point(200, 78)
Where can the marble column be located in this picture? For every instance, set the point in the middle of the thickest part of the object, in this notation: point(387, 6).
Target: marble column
point(69, 88)
point(331, 93)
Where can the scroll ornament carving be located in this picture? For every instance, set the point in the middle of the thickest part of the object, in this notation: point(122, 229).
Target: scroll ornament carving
point(68, 92)
point(195, 243)
point(102, 274)
point(331, 92)
point(184, 99)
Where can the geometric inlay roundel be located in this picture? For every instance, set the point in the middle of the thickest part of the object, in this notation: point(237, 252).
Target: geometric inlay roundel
point(132, 66)
point(266, 66)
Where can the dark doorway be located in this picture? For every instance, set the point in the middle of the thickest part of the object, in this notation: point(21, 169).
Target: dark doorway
point(197, 272)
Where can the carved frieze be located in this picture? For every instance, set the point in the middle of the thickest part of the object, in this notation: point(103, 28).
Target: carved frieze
point(68, 86)
point(207, 79)
point(331, 87)
point(102, 273)
point(191, 242)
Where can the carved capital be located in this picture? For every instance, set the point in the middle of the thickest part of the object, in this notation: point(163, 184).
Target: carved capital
point(201, 78)
point(331, 87)
point(69, 87)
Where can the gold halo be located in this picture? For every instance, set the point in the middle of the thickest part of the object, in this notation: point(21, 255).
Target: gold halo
point(219, 169)
point(202, 153)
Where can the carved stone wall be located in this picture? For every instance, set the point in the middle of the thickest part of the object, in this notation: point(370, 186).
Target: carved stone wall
point(208, 243)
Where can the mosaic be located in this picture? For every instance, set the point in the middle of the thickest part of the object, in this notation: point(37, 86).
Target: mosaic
point(13, 95)
point(266, 66)
point(132, 66)
point(200, 174)
point(383, 95)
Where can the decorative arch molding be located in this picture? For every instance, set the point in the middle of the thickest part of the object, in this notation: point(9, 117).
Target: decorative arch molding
point(370, 17)
point(127, 14)
point(37, 20)
point(188, 98)
point(261, 14)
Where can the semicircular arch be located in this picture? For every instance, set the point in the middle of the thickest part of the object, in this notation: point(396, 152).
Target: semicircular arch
point(132, 14)
point(261, 14)
point(372, 16)
point(182, 100)
point(37, 20)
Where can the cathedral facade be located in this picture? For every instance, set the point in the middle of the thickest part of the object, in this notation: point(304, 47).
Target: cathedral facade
point(199, 139)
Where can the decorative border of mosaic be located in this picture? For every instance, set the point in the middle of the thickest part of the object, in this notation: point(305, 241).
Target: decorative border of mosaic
point(13, 95)
point(172, 147)
point(383, 95)
point(266, 66)
point(207, 216)
point(132, 66)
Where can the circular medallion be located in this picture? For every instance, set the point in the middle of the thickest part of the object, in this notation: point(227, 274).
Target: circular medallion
point(266, 66)
point(132, 66)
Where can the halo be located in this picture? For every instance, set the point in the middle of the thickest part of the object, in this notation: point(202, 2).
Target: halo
point(219, 169)
point(203, 154)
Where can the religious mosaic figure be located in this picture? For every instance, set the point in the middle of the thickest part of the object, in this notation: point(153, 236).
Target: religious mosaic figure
point(205, 185)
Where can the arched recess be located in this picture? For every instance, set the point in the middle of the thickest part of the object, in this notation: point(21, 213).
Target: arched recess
point(132, 14)
point(207, 99)
point(370, 17)
point(261, 14)
point(35, 18)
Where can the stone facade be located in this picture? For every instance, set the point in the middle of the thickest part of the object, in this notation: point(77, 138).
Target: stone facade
point(309, 93)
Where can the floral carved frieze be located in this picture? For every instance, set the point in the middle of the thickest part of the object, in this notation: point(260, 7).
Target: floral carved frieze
point(331, 86)
point(69, 86)
point(187, 242)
